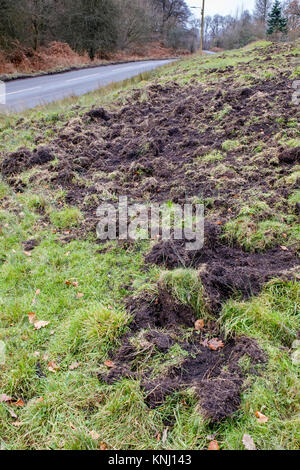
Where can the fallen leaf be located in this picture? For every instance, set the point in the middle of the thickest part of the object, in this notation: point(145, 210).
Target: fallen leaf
point(31, 317)
point(103, 446)
point(74, 366)
point(158, 437)
point(94, 435)
point(53, 367)
point(72, 426)
point(261, 418)
point(248, 442)
point(40, 324)
point(37, 292)
point(284, 248)
point(5, 398)
point(17, 424)
point(213, 445)
point(19, 403)
point(79, 295)
point(199, 325)
point(215, 344)
point(39, 400)
point(27, 253)
point(109, 364)
point(75, 284)
point(52, 332)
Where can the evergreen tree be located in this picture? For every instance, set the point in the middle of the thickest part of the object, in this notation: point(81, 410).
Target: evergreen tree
point(277, 23)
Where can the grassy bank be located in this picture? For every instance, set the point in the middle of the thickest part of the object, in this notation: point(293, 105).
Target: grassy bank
point(52, 391)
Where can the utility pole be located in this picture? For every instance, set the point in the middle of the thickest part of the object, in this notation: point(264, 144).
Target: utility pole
point(202, 26)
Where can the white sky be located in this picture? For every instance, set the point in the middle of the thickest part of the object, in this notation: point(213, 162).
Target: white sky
point(221, 7)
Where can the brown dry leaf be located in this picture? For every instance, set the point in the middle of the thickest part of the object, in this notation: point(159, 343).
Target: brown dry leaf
point(72, 426)
point(17, 424)
point(94, 435)
point(31, 317)
point(158, 437)
point(213, 445)
point(5, 398)
point(79, 295)
point(68, 283)
point(19, 403)
point(199, 325)
point(39, 400)
point(37, 292)
point(284, 248)
point(248, 442)
point(75, 284)
point(53, 367)
point(261, 418)
point(103, 446)
point(109, 364)
point(40, 324)
point(215, 344)
point(74, 366)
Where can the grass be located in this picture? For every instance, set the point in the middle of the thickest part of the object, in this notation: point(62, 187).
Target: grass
point(80, 291)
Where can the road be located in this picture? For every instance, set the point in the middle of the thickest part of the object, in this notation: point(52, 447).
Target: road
point(30, 92)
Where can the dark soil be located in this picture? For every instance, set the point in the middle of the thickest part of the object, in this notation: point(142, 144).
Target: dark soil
point(163, 312)
point(215, 375)
point(24, 159)
point(226, 271)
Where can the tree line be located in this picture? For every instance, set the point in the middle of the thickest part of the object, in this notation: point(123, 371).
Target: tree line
point(103, 26)
point(95, 26)
point(270, 19)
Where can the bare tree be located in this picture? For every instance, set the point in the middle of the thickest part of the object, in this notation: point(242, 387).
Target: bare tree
point(262, 9)
point(171, 13)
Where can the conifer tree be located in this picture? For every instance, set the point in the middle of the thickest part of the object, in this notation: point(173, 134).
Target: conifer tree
point(277, 23)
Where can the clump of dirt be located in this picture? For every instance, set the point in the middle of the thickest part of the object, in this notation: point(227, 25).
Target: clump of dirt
point(215, 373)
point(162, 312)
point(98, 113)
point(24, 159)
point(226, 271)
point(290, 156)
point(30, 245)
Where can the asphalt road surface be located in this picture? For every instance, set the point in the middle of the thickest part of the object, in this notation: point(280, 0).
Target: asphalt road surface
point(30, 92)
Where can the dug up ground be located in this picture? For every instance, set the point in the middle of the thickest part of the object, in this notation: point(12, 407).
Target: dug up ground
point(143, 345)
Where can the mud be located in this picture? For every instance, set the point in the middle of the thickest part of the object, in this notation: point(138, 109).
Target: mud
point(163, 312)
point(226, 271)
point(216, 376)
